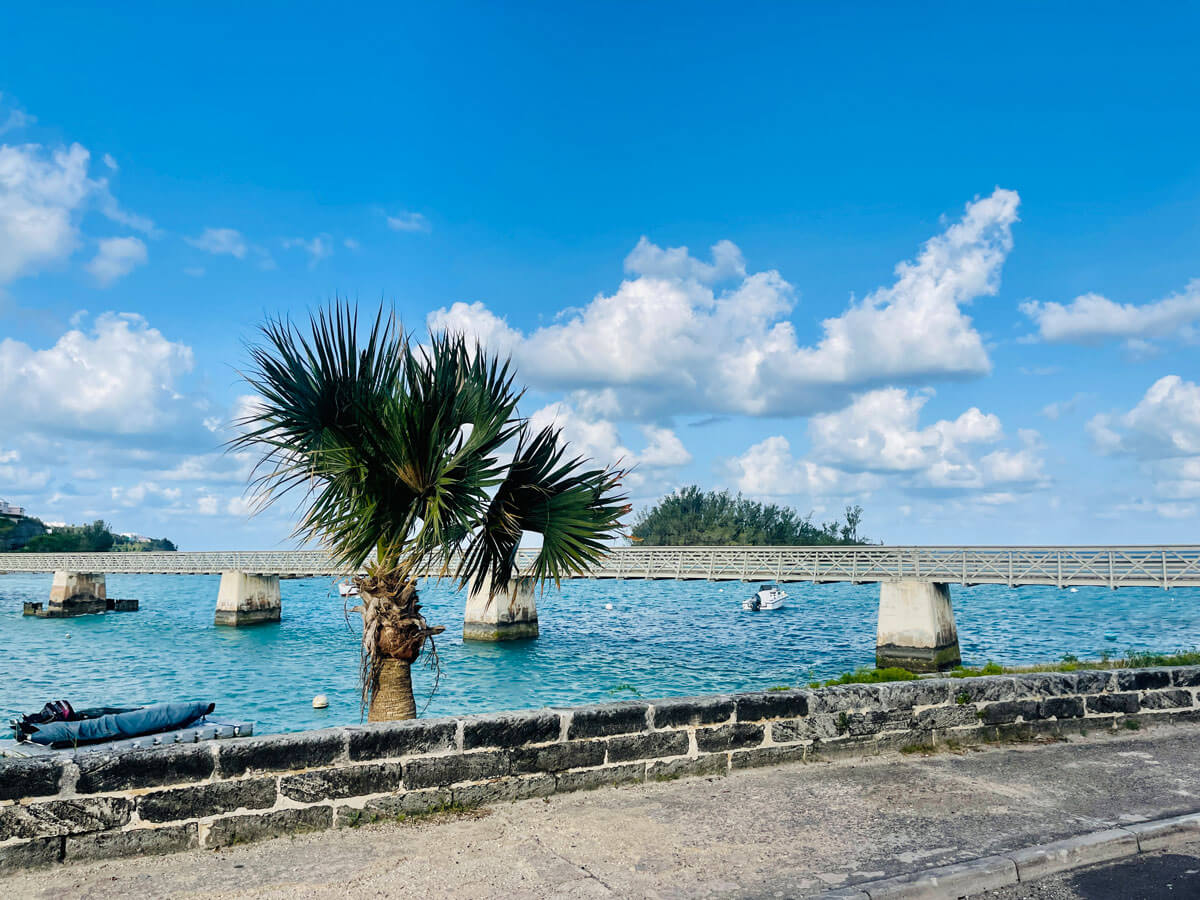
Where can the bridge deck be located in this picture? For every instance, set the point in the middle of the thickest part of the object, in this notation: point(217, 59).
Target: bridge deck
point(1114, 567)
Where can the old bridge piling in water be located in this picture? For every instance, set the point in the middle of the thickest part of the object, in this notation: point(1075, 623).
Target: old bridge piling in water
point(915, 627)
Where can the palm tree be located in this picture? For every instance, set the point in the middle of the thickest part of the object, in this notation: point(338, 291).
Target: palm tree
point(400, 453)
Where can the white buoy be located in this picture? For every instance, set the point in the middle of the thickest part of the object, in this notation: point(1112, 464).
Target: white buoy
point(1074, 590)
point(608, 606)
point(320, 701)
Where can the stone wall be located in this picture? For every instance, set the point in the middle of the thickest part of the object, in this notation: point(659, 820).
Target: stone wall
point(216, 793)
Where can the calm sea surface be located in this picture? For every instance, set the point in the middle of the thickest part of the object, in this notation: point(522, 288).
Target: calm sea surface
point(659, 639)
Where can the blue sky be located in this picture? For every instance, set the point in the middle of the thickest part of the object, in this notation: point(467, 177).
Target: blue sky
point(532, 173)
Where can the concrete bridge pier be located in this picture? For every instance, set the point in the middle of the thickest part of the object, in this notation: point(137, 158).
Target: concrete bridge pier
point(77, 594)
point(508, 616)
point(916, 626)
point(245, 599)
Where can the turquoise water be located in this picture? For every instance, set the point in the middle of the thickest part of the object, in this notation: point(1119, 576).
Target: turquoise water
point(659, 639)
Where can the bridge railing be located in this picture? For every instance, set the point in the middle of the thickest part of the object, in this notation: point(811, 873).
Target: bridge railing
point(1158, 566)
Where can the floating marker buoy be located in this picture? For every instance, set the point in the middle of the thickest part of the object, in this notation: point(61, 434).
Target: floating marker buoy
point(608, 606)
point(1074, 590)
point(320, 701)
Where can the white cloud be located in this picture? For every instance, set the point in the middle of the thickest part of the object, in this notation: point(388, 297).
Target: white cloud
point(194, 271)
point(1059, 409)
point(1142, 507)
point(246, 506)
point(110, 209)
point(1178, 477)
point(119, 379)
point(351, 244)
point(116, 258)
point(1164, 423)
point(676, 263)
point(220, 242)
point(209, 468)
point(408, 221)
point(1012, 467)
point(318, 248)
point(208, 505)
point(44, 194)
point(1092, 318)
point(878, 432)
point(146, 493)
point(479, 322)
point(663, 450)
point(15, 119)
point(598, 439)
point(768, 469)
point(998, 498)
point(41, 197)
point(1162, 432)
point(20, 480)
point(877, 441)
point(667, 342)
point(108, 160)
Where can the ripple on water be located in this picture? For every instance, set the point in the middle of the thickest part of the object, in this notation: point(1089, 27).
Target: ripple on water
point(659, 639)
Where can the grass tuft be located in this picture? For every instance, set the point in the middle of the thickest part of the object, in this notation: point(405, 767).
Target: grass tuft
point(867, 675)
point(1133, 659)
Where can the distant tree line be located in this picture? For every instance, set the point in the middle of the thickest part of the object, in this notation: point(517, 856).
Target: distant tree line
point(691, 516)
point(16, 533)
point(32, 536)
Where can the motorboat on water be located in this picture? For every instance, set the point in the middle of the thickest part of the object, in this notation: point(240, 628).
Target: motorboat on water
point(347, 589)
point(769, 596)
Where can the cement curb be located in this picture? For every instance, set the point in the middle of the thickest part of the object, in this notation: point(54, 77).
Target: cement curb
point(991, 872)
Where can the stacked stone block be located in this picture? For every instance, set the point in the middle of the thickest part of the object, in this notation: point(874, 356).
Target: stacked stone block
point(216, 793)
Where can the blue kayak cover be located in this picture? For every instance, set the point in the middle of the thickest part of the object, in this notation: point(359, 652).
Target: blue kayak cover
point(147, 720)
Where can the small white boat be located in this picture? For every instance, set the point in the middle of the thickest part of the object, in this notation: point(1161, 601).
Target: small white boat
point(769, 596)
point(347, 589)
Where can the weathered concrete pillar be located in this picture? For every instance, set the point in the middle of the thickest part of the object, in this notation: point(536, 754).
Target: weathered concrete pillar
point(507, 616)
point(246, 599)
point(77, 594)
point(916, 626)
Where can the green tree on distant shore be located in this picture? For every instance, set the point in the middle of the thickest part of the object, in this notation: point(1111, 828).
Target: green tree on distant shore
point(94, 538)
point(694, 517)
point(32, 536)
point(132, 545)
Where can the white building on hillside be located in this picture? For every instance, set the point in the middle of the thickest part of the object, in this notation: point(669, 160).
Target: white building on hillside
point(7, 509)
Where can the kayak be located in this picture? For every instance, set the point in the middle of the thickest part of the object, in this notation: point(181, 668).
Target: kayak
point(70, 728)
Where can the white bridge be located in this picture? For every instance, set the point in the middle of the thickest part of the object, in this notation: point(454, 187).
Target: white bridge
point(1165, 566)
point(916, 626)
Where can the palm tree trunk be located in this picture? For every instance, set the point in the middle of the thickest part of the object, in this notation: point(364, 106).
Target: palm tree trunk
point(393, 696)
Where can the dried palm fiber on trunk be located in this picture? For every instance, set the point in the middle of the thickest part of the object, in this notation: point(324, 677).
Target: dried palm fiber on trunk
point(394, 632)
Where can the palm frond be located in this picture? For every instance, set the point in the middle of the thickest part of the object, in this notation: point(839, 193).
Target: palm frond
point(325, 403)
point(575, 508)
point(458, 413)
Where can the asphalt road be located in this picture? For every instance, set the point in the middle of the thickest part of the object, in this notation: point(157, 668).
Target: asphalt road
point(1155, 876)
